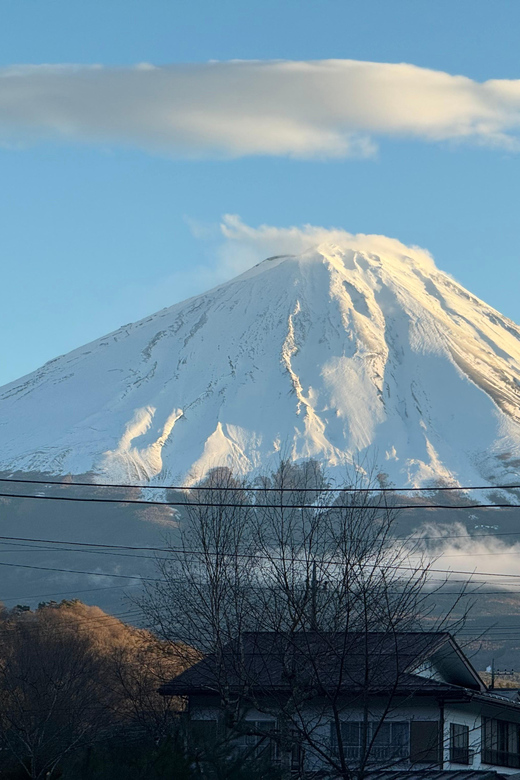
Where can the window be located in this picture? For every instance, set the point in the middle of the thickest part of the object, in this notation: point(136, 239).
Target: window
point(424, 742)
point(386, 741)
point(203, 734)
point(297, 753)
point(204, 729)
point(390, 741)
point(459, 743)
point(351, 739)
point(501, 743)
point(256, 739)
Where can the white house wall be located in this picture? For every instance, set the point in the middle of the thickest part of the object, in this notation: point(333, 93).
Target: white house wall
point(317, 719)
point(467, 715)
point(472, 715)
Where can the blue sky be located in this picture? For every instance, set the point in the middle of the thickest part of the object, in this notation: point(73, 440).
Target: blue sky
point(99, 230)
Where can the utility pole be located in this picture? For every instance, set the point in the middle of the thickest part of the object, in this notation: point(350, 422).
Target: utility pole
point(499, 673)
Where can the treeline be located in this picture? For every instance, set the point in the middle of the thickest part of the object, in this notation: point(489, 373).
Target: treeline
point(78, 697)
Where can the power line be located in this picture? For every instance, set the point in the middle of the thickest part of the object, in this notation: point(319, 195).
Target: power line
point(491, 633)
point(235, 505)
point(468, 536)
point(251, 557)
point(182, 551)
point(87, 549)
point(83, 622)
point(494, 633)
point(84, 544)
point(66, 592)
point(458, 571)
point(18, 548)
point(259, 557)
point(260, 488)
point(170, 549)
point(468, 555)
point(480, 593)
point(128, 613)
point(194, 552)
point(90, 573)
point(149, 557)
point(31, 548)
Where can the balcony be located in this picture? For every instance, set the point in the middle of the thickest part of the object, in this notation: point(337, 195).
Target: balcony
point(501, 758)
point(377, 753)
point(461, 755)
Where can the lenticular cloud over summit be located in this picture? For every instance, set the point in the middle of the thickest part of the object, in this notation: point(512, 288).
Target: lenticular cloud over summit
point(247, 245)
point(304, 109)
point(331, 346)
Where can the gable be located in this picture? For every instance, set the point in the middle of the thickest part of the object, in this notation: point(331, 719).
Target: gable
point(430, 671)
point(448, 664)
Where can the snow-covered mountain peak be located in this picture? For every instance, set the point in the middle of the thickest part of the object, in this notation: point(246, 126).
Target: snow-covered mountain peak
point(355, 346)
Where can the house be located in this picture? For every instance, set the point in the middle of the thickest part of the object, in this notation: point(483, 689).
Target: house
point(350, 702)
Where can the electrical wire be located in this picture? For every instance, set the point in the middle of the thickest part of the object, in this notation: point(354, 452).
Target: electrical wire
point(169, 549)
point(31, 548)
point(34, 548)
point(140, 578)
point(88, 550)
point(254, 557)
point(90, 573)
point(235, 505)
point(65, 593)
point(83, 622)
point(260, 488)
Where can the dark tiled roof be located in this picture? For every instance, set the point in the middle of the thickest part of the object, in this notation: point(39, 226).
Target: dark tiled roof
point(506, 693)
point(441, 774)
point(314, 662)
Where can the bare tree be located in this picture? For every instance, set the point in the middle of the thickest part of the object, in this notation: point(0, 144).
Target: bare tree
point(204, 593)
point(310, 579)
point(73, 681)
point(50, 690)
point(135, 670)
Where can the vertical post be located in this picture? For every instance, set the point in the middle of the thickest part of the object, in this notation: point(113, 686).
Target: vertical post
point(492, 674)
point(314, 589)
point(441, 734)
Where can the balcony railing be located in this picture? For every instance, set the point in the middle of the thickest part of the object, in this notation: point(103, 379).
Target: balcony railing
point(501, 758)
point(461, 755)
point(377, 753)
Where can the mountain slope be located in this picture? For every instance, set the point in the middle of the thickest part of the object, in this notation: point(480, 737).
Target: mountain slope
point(362, 349)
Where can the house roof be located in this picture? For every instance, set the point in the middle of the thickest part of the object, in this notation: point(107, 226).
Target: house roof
point(442, 774)
point(317, 662)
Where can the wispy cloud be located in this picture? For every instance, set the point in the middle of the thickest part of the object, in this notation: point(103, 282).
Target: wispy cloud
point(244, 246)
point(317, 109)
point(452, 548)
point(234, 247)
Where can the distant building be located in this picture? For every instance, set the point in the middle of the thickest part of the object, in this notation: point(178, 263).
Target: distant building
point(383, 704)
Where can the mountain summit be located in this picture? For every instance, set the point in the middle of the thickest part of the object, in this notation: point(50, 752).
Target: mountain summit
point(358, 350)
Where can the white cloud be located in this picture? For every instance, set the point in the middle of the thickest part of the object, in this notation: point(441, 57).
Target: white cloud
point(234, 247)
point(329, 108)
point(244, 246)
point(452, 548)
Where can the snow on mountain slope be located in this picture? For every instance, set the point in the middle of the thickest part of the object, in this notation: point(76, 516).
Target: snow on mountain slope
point(359, 348)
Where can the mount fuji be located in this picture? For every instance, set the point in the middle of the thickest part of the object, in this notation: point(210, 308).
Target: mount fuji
point(354, 351)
